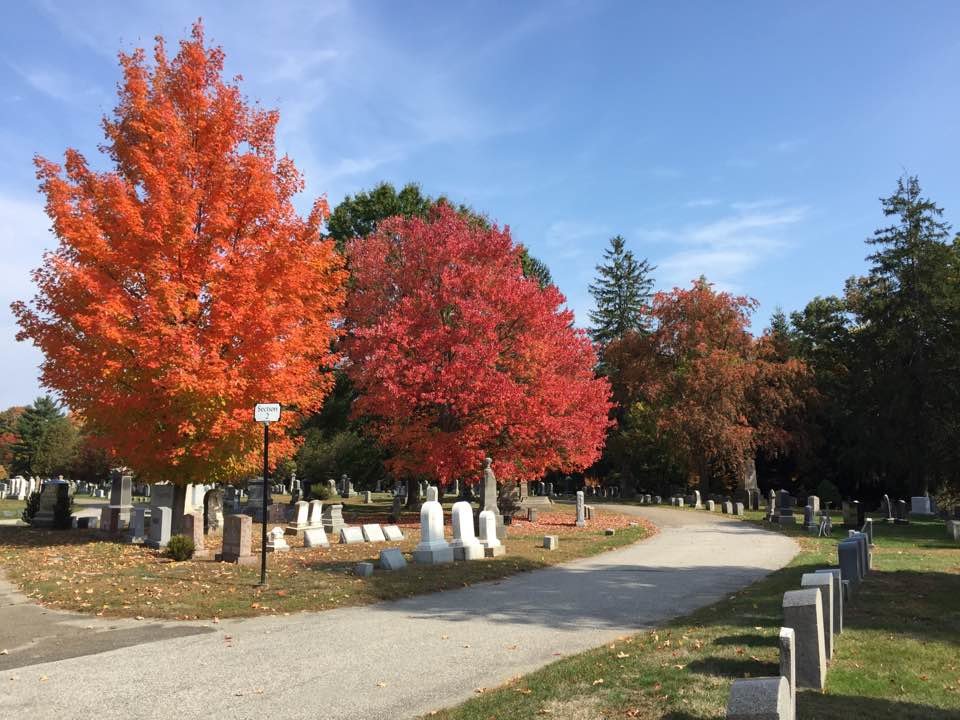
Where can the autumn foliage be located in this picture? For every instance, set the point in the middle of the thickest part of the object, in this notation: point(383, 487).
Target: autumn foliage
point(185, 287)
point(717, 393)
point(457, 355)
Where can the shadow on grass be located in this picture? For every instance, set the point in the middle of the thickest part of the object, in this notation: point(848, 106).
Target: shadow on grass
point(844, 707)
point(733, 667)
point(753, 640)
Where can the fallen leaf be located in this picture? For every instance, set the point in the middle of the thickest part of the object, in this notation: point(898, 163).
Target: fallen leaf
point(622, 655)
point(598, 681)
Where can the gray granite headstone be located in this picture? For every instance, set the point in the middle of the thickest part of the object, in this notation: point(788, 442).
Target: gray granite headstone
point(788, 665)
point(392, 559)
point(759, 699)
point(803, 612)
point(824, 583)
point(581, 513)
point(159, 527)
point(837, 597)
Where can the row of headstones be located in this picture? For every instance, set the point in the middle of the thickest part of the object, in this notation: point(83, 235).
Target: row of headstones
point(812, 620)
point(608, 491)
point(19, 487)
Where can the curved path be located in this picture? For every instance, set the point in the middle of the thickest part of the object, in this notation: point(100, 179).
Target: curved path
point(398, 659)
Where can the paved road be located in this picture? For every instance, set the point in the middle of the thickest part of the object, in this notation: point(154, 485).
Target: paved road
point(392, 660)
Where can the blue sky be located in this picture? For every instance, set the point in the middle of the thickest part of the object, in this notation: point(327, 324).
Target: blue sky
point(746, 141)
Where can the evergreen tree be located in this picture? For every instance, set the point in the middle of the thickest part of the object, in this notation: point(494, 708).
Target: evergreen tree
point(621, 292)
point(46, 440)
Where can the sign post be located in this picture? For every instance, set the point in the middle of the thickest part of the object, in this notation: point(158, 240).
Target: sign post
point(265, 413)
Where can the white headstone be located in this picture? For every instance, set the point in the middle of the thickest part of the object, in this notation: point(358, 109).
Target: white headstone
point(351, 535)
point(301, 517)
point(315, 537)
point(373, 533)
point(316, 514)
point(276, 542)
point(432, 548)
point(392, 533)
point(465, 544)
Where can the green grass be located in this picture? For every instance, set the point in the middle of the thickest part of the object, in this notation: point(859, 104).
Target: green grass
point(897, 659)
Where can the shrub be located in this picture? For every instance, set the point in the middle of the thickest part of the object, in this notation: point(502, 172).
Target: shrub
point(62, 513)
point(320, 491)
point(828, 492)
point(180, 548)
point(32, 508)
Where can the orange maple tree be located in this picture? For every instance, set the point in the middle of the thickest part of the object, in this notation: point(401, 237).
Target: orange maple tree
point(457, 355)
point(718, 394)
point(185, 287)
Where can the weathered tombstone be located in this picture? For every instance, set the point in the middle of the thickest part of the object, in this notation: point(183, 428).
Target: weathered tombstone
point(727, 507)
point(551, 542)
point(367, 497)
point(333, 519)
point(809, 518)
point(350, 535)
point(803, 612)
point(492, 547)
point(237, 534)
point(192, 527)
point(159, 527)
point(868, 530)
point(255, 491)
point(711, 505)
point(785, 515)
point(301, 517)
point(738, 508)
point(138, 525)
point(865, 554)
point(276, 541)
point(432, 548)
point(315, 518)
point(696, 500)
point(581, 515)
point(848, 554)
point(837, 577)
point(332, 487)
point(392, 559)
point(315, 537)
point(363, 569)
point(392, 533)
point(532, 514)
point(213, 511)
point(53, 492)
point(824, 583)
point(121, 501)
point(887, 507)
point(396, 508)
point(759, 699)
point(788, 665)
point(902, 518)
point(920, 505)
point(814, 502)
point(465, 544)
point(373, 533)
point(549, 489)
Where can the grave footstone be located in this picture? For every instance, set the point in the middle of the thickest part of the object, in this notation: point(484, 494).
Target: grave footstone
point(803, 612)
point(759, 699)
point(551, 542)
point(392, 559)
point(392, 533)
point(824, 583)
point(373, 533)
point(315, 537)
point(363, 569)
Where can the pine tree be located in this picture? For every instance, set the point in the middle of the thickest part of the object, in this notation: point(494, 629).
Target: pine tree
point(621, 293)
point(46, 440)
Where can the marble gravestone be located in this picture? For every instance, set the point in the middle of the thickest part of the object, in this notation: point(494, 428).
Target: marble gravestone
point(275, 541)
point(315, 537)
point(392, 533)
point(213, 511)
point(581, 512)
point(433, 548)
point(350, 535)
point(492, 547)
point(372, 532)
point(465, 544)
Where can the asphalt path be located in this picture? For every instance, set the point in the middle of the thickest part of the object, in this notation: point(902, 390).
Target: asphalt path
point(391, 660)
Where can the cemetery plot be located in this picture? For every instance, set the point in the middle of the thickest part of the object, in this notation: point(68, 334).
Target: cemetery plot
point(75, 570)
point(896, 658)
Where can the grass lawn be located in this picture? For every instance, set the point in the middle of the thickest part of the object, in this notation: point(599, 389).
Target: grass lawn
point(898, 657)
point(77, 570)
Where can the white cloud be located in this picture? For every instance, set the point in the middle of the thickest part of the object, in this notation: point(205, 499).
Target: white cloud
point(567, 239)
point(58, 85)
point(726, 248)
point(701, 203)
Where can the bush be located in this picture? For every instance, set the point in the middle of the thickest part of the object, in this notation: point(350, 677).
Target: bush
point(62, 513)
point(180, 548)
point(828, 492)
point(32, 508)
point(320, 490)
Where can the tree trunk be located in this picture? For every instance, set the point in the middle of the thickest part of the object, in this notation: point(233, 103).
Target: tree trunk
point(413, 491)
point(176, 512)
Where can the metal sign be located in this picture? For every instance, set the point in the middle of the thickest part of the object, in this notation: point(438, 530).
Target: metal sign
point(267, 412)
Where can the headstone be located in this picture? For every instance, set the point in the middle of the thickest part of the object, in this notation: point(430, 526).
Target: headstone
point(803, 612)
point(53, 492)
point(138, 524)
point(551, 542)
point(367, 497)
point(315, 517)
point(759, 699)
point(392, 533)
point(373, 533)
point(363, 569)
point(432, 548)
point(738, 508)
point(532, 514)
point(728, 508)
point(237, 535)
point(809, 518)
point(465, 544)
point(488, 535)
point(392, 559)
point(848, 554)
point(711, 505)
point(255, 490)
point(581, 515)
point(192, 527)
point(696, 500)
point(332, 487)
point(865, 553)
point(276, 541)
point(333, 519)
point(785, 505)
point(902, 518)
point(489, 487)
point(121, 498)
point(213, 511)
point(868, 530)
point(351, 535)
point(315, 537)
point(159, 527)
point(953, 530)
point(824, 583)
point(838, 593)
point(814, 502)
point(788, 665)
point(396, 508)
point(301, 516)
point(920, 505)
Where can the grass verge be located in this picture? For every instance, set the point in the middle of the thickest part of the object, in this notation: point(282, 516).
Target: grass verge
point(897, 659)
point(78, 570)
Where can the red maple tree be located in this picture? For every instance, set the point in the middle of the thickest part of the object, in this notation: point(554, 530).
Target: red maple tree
point(185, 287)
point(457, 355)
point(718, 394)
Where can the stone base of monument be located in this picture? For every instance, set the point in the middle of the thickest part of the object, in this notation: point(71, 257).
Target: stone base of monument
point(433, 557)
point(492, 552)
point(536, 501)
point(202, 554)
point(244, 560)
point(295, 529)
point(468, 552)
